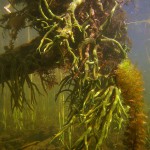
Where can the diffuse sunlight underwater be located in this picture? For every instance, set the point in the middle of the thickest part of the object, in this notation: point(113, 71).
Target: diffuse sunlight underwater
point(73, 86)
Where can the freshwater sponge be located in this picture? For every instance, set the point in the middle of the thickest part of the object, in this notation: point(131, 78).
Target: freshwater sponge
point(130, 81)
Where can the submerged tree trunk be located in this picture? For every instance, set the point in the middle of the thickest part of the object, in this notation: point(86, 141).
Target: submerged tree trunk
point(26, 56)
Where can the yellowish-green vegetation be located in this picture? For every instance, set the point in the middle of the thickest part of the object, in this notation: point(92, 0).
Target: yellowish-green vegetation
point(87, 41)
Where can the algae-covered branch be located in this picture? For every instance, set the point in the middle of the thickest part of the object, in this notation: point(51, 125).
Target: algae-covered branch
point(89, 39)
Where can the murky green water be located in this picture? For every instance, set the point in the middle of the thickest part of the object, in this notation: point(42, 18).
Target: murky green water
point(32, 128)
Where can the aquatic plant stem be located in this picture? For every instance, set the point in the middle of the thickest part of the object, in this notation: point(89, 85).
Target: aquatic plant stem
point(106, 39)
point(61, 110)
point(50, 12)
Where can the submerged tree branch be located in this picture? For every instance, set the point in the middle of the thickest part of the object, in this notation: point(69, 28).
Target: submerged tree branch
point(26, 57)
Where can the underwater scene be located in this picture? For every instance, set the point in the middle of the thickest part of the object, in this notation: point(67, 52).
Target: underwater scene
point(74, 75)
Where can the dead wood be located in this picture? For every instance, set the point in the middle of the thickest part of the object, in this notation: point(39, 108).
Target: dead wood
point(28, 58)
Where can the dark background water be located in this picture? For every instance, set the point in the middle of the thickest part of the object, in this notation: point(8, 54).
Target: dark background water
point(139, 33)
